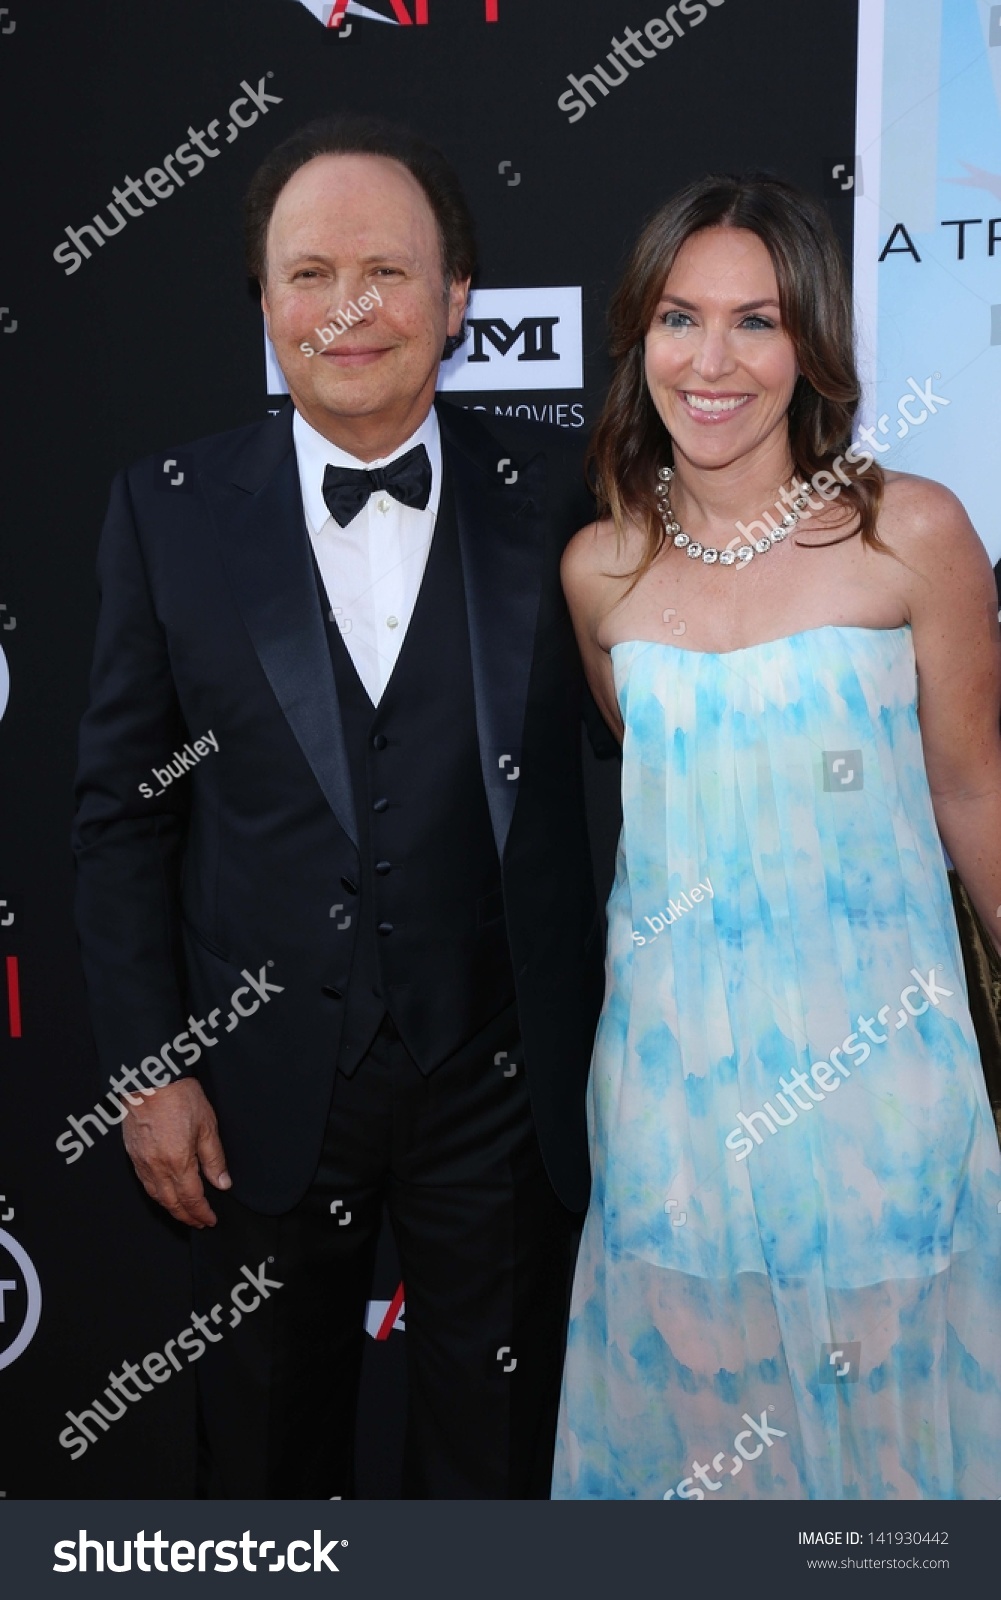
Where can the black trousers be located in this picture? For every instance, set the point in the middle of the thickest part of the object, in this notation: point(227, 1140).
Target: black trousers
point(487, 1252)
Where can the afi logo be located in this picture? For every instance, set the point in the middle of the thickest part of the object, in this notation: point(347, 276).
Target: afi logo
point(519, 339)
point(333, 12)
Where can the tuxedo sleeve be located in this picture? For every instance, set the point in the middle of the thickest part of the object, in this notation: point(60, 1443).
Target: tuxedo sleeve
point(127, 838)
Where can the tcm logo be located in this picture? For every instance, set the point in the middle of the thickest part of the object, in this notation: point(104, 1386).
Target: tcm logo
point(20, 1299)
point(401, 13)
point(519, 339)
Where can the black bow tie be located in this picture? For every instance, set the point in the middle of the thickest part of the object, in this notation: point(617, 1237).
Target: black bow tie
point(408, 479)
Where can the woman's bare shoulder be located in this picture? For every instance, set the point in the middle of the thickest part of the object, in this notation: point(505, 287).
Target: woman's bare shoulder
point(918, 510)
point(600, 551)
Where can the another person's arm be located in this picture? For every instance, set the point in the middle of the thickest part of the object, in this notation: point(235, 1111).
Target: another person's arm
point(586, 586)
point(953, 606)
point(128, 850)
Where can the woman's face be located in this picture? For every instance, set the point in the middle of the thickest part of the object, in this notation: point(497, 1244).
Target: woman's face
point(719, 365)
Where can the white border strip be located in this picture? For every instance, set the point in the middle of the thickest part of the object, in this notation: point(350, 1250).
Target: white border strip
point(869, 160)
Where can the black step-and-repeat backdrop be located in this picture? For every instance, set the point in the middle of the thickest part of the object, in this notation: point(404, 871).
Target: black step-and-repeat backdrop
point(129, 132)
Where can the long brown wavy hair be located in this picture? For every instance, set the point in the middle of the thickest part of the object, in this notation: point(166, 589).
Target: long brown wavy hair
point(631, 442)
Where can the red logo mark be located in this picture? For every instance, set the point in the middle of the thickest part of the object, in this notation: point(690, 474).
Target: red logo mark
point(392, 1312)
point(13, 998)
point(403, 16)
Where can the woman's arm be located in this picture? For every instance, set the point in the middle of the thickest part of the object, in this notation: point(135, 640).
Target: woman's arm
point(586, 588)
point(953, 608)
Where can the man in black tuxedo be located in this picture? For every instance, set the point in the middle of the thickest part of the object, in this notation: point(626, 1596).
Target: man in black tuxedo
point(382, 849)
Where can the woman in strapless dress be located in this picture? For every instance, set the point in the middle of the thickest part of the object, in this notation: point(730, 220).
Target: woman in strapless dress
point(789, 1284)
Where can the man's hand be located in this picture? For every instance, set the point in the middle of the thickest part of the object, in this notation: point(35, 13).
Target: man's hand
point(169, 1137)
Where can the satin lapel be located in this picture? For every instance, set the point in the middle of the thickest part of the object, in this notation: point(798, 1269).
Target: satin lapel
point(266, 553)
point(501, 538)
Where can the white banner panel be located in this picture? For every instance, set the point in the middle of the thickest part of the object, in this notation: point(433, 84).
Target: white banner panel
point(519, 339)
point(928, 243)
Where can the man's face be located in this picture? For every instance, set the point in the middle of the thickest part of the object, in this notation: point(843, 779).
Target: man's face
point(342, 226)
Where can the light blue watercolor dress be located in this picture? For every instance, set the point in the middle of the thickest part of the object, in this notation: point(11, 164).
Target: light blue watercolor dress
point(828, 1269)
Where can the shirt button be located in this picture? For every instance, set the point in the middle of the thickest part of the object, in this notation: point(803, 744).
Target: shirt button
point(392, 622)
point(385, 927)
point(384, 505)
point(379, 742)
point(382, 867)
point(382, 804)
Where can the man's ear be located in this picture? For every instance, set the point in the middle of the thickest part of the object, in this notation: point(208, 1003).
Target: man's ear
point(262, 284)
point(458, 302)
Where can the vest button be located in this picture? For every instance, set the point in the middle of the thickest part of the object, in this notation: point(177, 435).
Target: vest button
point(385, 927)
point(382, 804)
point(349, 885)
point(329, 990)
point(379, 742)
point(382, 867)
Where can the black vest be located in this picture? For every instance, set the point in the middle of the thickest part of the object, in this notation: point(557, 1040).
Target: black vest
point(431, 942)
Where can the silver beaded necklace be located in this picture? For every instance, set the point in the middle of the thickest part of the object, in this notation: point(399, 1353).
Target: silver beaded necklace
point(709, 554)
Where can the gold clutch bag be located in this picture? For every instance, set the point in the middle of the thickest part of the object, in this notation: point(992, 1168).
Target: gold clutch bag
point(983, 979)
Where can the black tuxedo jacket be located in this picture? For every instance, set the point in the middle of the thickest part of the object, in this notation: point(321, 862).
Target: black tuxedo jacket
point(210, 622)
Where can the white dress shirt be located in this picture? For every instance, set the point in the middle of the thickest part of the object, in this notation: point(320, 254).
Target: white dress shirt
point(372, 569)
